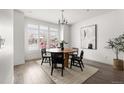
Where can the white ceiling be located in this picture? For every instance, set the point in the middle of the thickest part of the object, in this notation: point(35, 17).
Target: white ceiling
point(72, 15)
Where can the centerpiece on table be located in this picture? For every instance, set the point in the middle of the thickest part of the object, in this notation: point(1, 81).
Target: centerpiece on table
point(62, 44)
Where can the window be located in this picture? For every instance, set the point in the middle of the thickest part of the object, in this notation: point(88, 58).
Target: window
point(32, 37)
point(40, 36)
point(43, 38)
point(53, 38)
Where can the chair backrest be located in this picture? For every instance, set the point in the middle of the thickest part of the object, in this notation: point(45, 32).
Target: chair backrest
point(43, 51)
point(57, 57)
point(81, 54)
point(76, 52)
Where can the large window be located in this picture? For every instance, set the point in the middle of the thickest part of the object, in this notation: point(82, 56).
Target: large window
point(40, 36)
point(43, 37)
point(32, 37)
point(53, 38)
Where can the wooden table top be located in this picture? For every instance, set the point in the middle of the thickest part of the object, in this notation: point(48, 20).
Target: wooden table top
point(66, 50)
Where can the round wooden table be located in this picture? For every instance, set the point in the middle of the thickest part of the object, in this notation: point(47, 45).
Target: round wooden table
point(66, 52)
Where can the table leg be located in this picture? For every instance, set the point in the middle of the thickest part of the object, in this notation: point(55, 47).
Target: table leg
point(66, 55)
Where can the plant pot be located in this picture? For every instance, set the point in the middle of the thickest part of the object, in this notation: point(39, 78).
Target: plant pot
point(62, 48)
point(118, 64)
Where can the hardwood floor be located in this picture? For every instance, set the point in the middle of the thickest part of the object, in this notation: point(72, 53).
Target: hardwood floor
point(105, 75)
point(31, 73)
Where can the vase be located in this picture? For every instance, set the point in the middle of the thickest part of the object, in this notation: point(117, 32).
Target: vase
point(118, 64)
point(62, 46)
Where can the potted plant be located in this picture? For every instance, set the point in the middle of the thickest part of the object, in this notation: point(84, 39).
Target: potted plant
point(62, 44)
point(117, 45)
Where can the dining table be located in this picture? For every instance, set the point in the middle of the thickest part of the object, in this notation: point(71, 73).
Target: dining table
point(66, 52)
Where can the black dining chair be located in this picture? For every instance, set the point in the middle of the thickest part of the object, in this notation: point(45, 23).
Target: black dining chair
point(75, 53)
point(57, 58)
point(45, 56)
point(77, 60)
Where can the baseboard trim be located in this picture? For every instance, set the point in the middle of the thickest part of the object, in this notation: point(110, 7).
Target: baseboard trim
point(32, 59)
point(96, 61)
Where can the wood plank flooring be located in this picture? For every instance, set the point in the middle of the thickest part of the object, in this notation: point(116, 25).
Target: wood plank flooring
point(105, 75)
point(31, 73)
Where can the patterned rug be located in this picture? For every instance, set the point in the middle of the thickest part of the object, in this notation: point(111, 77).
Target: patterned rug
point(70, 76)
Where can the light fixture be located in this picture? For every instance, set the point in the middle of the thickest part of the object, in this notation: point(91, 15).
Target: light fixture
point(62, 21)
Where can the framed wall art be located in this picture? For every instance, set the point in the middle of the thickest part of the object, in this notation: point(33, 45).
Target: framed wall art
point(2, 41)
point(88, 35)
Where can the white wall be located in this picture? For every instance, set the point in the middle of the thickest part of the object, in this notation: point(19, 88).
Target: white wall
point(67, 35)
point(6, 53)
point(18, 38)
point(108, 26)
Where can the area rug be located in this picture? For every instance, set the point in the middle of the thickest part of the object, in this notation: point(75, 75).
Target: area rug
point(70, 76)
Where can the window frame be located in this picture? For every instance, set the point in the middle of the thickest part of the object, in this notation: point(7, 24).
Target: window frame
point(49, 30)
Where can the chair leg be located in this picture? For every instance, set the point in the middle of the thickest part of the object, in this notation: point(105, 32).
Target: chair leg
point(80, 65)
point(62, 69)
point(71, 63)
point(49, 62)
point(52, 69)
point(42, 61)
point(45, 59)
